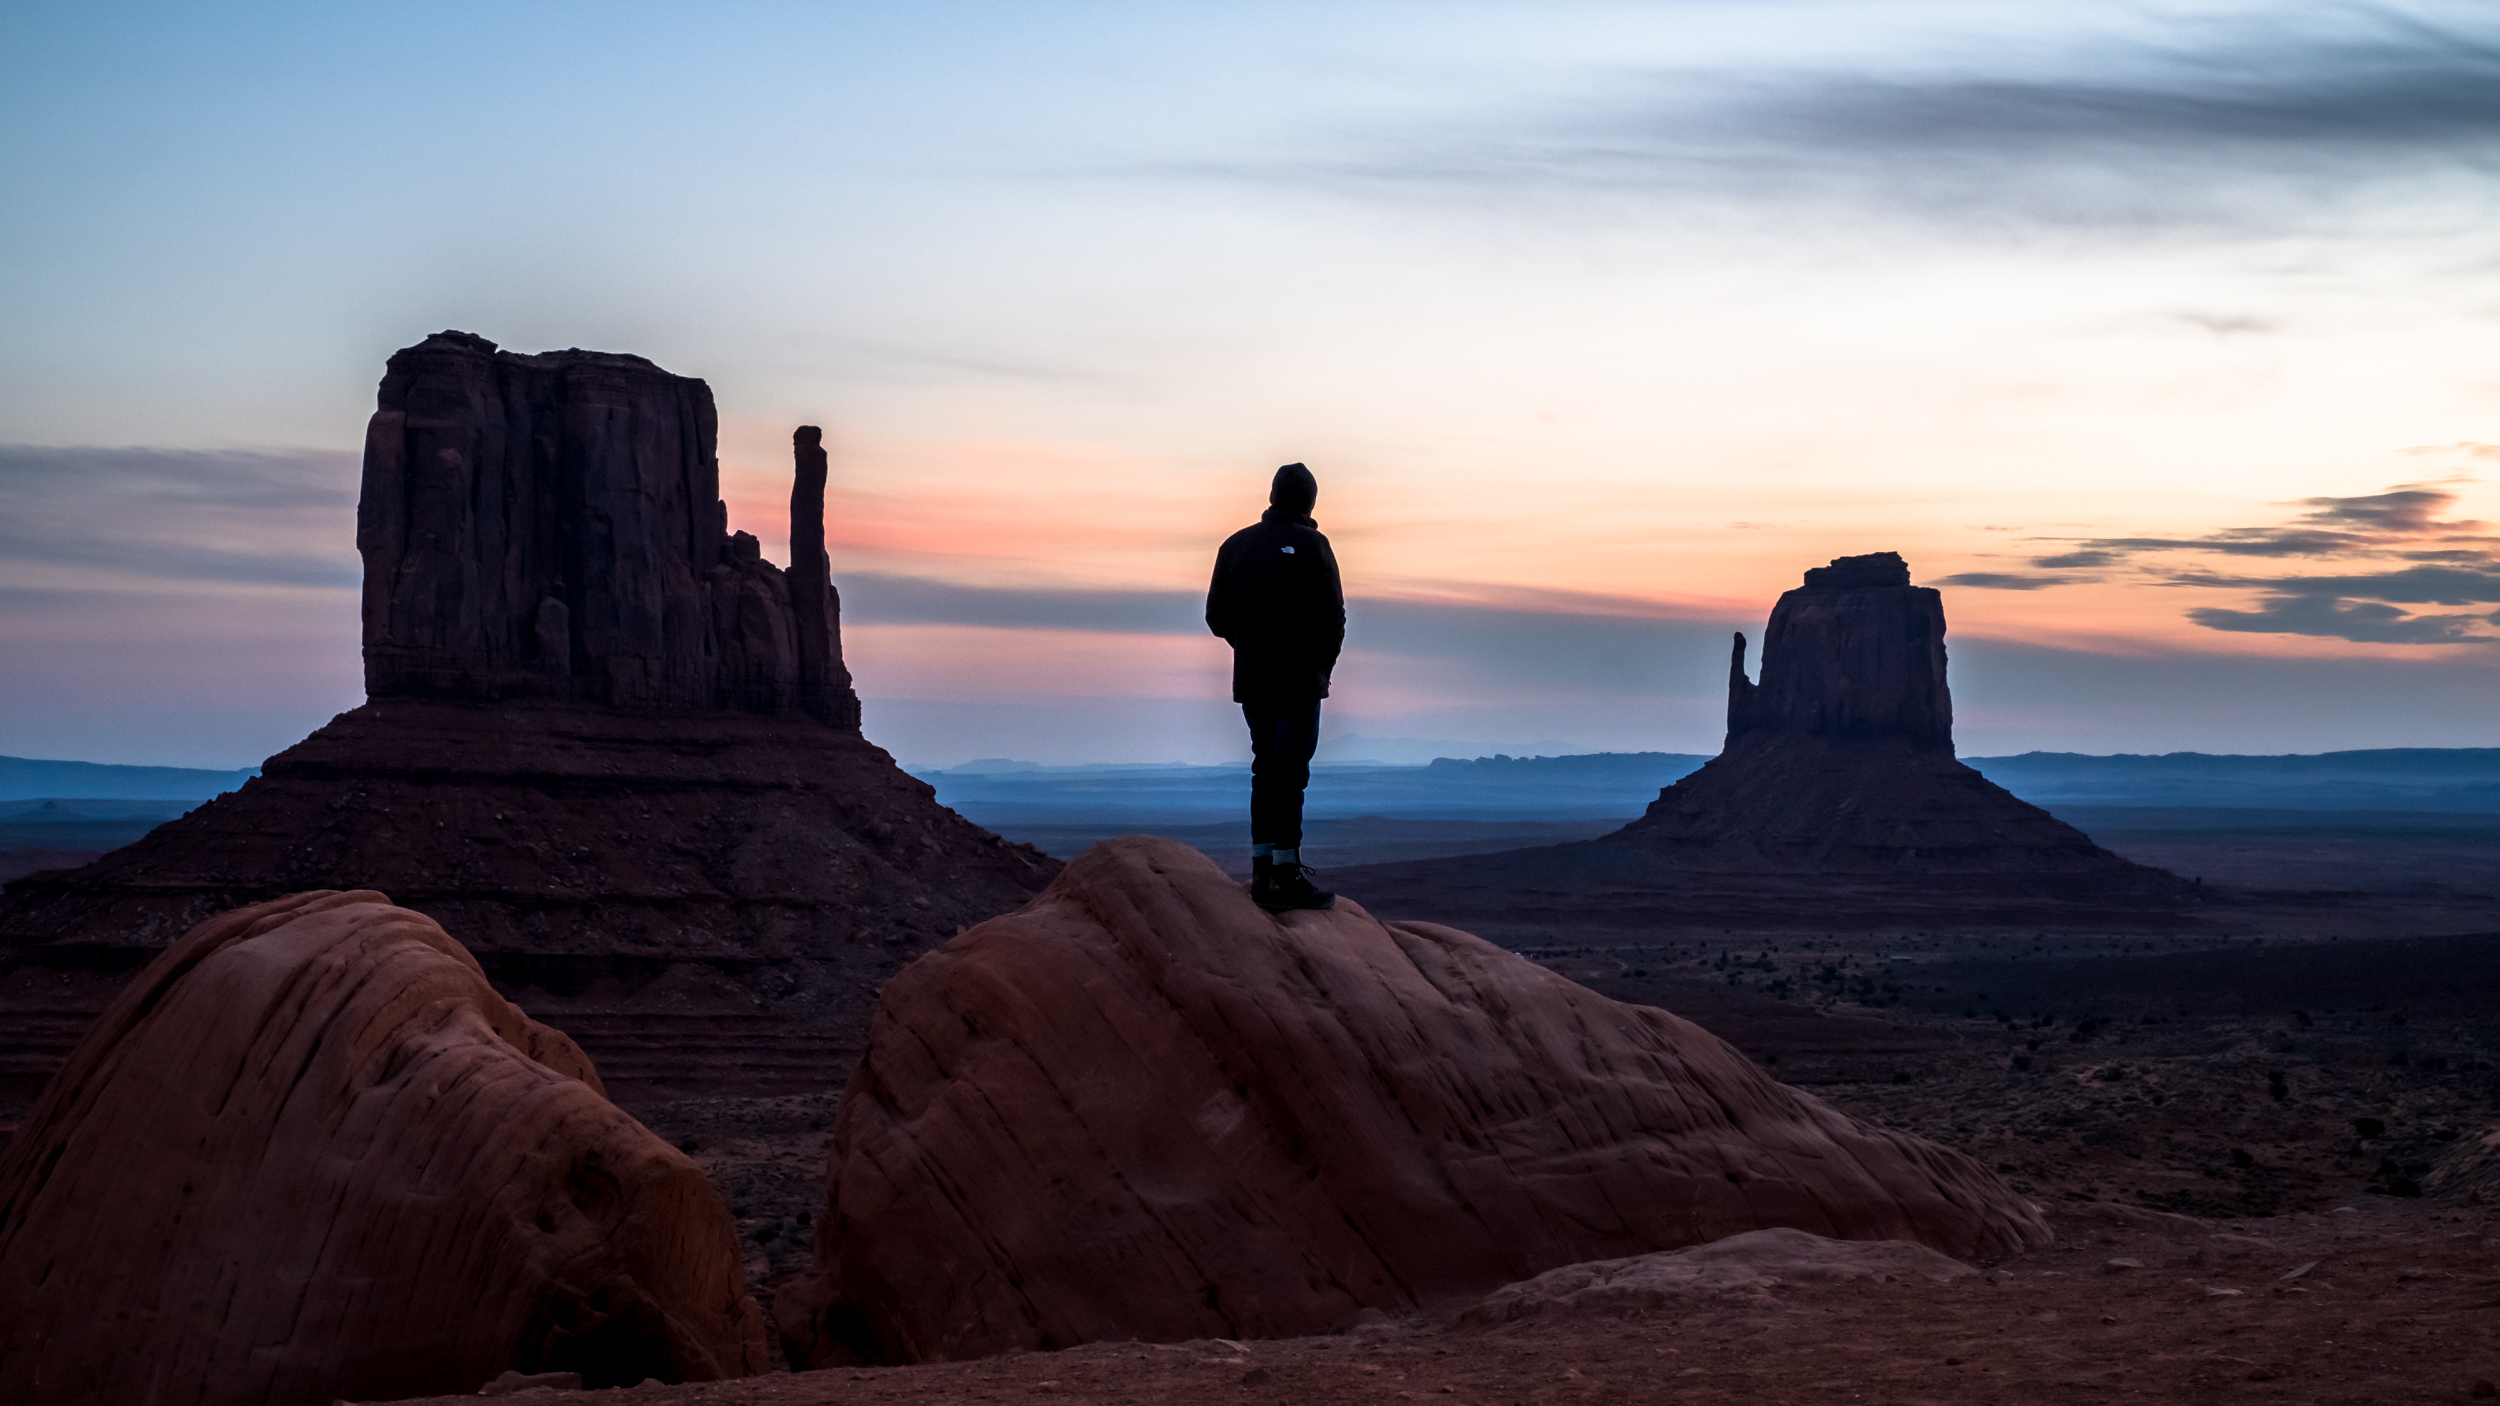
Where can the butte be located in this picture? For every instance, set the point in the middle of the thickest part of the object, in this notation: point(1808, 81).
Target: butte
point(604, 741)
point(1836, 802)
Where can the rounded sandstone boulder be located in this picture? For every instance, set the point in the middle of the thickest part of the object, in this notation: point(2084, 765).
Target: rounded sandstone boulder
point(309, 1153)
point(1142, 1107)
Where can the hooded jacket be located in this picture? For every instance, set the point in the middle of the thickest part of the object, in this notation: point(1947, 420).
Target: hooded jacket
point(1277, 601)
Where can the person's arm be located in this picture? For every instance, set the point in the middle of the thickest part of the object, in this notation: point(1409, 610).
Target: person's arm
point(1336, 606)
point(1223, 597)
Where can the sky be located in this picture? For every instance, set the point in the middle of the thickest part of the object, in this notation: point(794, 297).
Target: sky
point(2164, 338)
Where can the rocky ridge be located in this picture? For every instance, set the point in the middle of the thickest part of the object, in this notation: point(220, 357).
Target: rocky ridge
point(1142, 1107)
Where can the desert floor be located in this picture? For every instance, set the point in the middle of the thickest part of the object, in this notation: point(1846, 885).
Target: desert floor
point(2387, 1300)
point(2221, 1109)
point(2306, 1079)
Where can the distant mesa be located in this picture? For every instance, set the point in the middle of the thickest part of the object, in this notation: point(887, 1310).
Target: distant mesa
point(1841, 758)
point(605, 741)
point(309, 1153)
point(1140, 1107)
point(1837, 798)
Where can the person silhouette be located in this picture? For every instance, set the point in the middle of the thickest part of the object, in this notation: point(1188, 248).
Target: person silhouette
point(1277, 601)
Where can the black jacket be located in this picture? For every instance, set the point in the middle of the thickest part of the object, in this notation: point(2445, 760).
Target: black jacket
point(1277, 601)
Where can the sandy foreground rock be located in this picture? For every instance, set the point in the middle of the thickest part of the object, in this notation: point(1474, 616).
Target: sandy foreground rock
point(2387, 1301)
point(1140, 1107)
point(1756, 1261)
point(309, 1153)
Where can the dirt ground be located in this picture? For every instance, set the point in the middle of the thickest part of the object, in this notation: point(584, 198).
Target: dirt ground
point(2384, 1301)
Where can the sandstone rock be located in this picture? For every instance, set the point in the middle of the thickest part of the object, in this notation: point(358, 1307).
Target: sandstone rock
point(1857, 651)
point(1841, 759)
point(586, 856)
point(551, 526)
point(1140, 1106)
point(1837, 800)
point(1753, 1261)
point(516, 1381)
point(824, 686)
point(606, 742)
point(309, 1153)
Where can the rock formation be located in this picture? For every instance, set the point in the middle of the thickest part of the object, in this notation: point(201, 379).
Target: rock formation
point(1140, 1106)
point(1842, 757)
point(1752, 1263)
point(551, 526)
point(309, 1153)
point(1855, 652)
point(1837, 799)
point(605, 741)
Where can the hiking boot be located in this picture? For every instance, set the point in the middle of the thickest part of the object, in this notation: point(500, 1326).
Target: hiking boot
point(1285, 888)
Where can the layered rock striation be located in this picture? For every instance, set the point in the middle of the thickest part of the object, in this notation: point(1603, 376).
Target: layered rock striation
point(604, 740)
point(1143, 1107)
point(309, 1154)
point(1837, 799)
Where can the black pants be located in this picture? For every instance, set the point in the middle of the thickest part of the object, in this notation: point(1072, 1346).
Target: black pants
point(1282, 738)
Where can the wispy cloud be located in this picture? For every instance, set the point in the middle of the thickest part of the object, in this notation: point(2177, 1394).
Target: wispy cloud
point(2398, 548)
point(2002, 580)
point(264, 517)
point(2269, 119)
point(1569, 640)
point(2069, 561)
point(887, 598)
point(2334, 616)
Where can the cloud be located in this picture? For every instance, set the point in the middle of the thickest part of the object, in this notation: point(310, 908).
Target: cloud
point(2413, 585)
point(2397, 521)
point(1569, 640)
point(886, 598)
point(252, 517)
point(2447, 562)
point(2005, 581)
point(2337, 618)
point(2396, 89)
point(2274, 118)
point(2224, 324)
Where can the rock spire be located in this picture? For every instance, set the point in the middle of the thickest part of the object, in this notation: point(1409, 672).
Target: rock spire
point(551, 526)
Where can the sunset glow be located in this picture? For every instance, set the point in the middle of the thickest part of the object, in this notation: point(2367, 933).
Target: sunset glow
point(2162, 339)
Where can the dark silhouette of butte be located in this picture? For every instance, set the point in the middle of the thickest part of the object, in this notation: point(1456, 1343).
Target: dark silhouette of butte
point(1836, 802)
point(606, 743)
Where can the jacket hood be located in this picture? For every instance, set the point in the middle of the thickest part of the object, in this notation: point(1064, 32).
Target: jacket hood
point(1295, 490)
